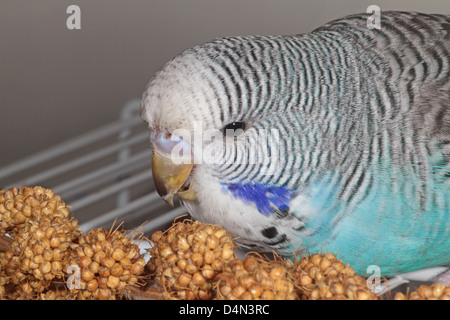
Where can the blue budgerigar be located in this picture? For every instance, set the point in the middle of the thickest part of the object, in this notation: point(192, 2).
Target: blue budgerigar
point(336, 140)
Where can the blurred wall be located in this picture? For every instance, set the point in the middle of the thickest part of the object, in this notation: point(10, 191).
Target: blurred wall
point(56, 83)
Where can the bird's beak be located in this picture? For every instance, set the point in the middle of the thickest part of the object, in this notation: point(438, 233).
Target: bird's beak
point(170, 177)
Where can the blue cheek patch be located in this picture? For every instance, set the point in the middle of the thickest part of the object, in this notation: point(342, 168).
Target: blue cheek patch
point(264, 197)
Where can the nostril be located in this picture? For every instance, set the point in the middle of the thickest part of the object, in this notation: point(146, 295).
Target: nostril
point(167, 135)
point(172, 145)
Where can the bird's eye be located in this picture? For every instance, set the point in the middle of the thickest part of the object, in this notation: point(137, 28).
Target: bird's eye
point(233, 129)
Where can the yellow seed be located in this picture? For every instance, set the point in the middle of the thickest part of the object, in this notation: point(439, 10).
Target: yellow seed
point(157, 236)
point(267, 295)
point(20, 218)
point(58, 254)
point(28, 252)
point(56, 267)
point(277, 272)
point(104, 271)
point(9, 205)
point(132, 253)
point(136, 269)
point(184, 279)
point(219, 233)
point(227, 252)
point(79, 251)
point(207, 272)
point(337, 288)
point(212, 241)
point(97, 247)
point(331, 272)
point(47, 211)
point(197, 259)
point(126, 263)
point(438, 290)
point(246, 296)
point(27, 211)
point(92, 285)
point(218, 264)
point(330, 256)
point(324, 263)
point(99, 256)
point(84, 262)
point(186, 254)
point(45, 267)
point(362, 295)
point(209, 257)
point(182, 243)
point(38, 259)
point(246, 281)
point(260, 275)
point(113, 282)
point(238, 291)
point(305, 279)
point(55, 242)
point(103, 294)
point(186, 295)
point(27, 288)
point(225, 290)
point(37, 273)
point(47, 254)
point(204, 295)
point(349, 271)
point(50, 232)
point(38, 248)
point(141, 262)
point(190, 239)
point(102, 282)
point(125, 275)
point(87, 275)
point(64, 211)
point(101, 237)
point(166, 252)
point(118, 254)
point(116, 270)
point(316, 259)
point(88, 251)
point(281, 285)
point(201, 236)
point(190, 267)
point(256, 290)
point(267, 283)
point(25, 265)
point(250, 263)
point(314, 273)
point(94, 266)
point(198, 279)
point(108, 262)
point(182, 263)
point(400, 296)
point(168, 272)
point(425, 291)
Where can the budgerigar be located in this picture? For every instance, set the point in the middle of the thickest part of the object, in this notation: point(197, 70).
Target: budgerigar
point(337, 140)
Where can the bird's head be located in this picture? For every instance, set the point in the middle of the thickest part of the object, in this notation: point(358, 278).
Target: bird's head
point(223, 132)
point(205, 120)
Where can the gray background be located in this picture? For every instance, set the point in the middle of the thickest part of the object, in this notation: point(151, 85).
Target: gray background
point(56, 83)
